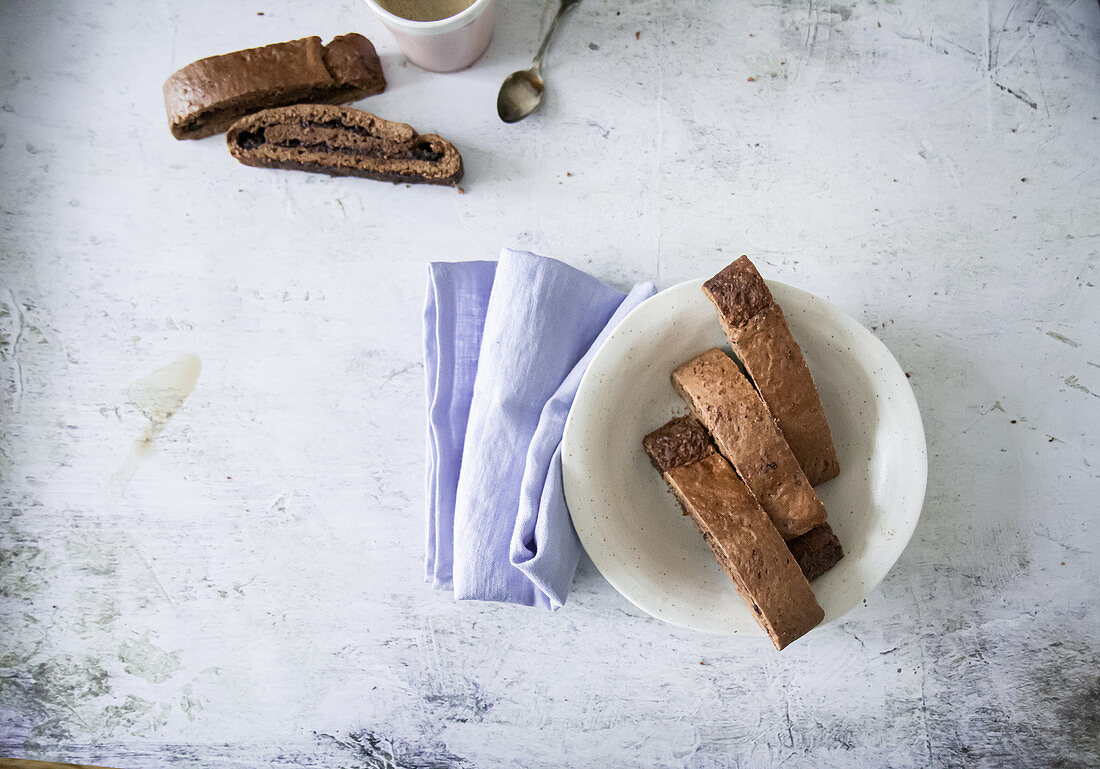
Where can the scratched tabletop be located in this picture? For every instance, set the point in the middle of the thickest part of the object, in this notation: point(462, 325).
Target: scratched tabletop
point(236, 579)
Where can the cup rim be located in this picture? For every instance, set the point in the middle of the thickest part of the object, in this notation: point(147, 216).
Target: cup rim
point(430, 27)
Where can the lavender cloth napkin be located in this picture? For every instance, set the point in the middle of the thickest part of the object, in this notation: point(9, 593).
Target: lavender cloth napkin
point(505, 346)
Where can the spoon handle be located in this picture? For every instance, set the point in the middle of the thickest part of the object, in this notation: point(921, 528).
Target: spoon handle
point(565, 6)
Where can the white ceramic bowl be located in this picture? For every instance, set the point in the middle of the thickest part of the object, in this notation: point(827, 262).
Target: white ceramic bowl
point(631, 525)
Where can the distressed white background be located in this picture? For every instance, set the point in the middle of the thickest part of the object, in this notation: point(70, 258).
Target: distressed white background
point(256, 597)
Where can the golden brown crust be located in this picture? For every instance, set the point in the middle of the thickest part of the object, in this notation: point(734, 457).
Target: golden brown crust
point(762, 341)
point(743, 540)
point(208, 95)
point(743, 429)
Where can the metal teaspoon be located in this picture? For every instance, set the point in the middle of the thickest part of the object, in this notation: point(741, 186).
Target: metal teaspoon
point(521, 92)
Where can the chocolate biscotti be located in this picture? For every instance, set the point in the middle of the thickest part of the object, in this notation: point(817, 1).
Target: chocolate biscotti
point(736, 528)
point(341, 141)
point(761, 340)
point(720, 397)
point(208, 95)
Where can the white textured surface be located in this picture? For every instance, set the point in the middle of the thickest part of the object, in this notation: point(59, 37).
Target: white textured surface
point(254, 598)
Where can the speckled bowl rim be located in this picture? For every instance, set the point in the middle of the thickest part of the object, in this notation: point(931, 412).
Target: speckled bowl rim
point(591, 502)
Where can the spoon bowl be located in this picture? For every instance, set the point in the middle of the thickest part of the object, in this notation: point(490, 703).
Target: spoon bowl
point(520, 95)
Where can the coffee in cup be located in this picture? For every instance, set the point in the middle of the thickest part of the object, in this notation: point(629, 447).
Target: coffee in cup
point(425, 10)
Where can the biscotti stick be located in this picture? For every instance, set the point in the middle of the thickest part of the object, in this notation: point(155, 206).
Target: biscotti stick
point(341, 141)
point(762, 341)
point(739, 532)
point(208, 95)
point(816, 551)
point(742, 427)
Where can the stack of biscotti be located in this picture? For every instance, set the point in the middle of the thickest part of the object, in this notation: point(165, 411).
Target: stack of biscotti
point(735, 469)
point(277, 103)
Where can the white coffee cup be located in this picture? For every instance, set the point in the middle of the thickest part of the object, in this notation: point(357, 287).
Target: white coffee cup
point(441, 45)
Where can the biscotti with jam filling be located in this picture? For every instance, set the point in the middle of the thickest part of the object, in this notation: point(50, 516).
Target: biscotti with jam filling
point(341, 141)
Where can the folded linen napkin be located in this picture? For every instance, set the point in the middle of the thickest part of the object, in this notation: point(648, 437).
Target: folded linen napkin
point(505, 346)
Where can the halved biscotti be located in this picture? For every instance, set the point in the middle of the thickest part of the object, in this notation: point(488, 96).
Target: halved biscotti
point(762, 341)
point(736, 528)
point(816, 551)
point(209, 95)
point(341, 141)
point(737, 418)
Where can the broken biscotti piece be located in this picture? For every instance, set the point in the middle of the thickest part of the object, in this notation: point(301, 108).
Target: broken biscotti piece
point(739, 532)
point(341, 141)
point(816, 551)
point(761, 340)
point(733, 413)
point(209, 95)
